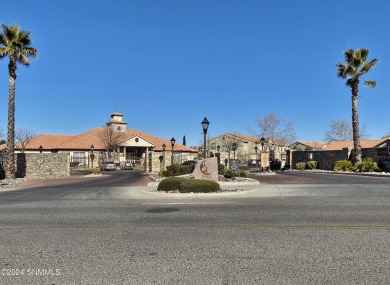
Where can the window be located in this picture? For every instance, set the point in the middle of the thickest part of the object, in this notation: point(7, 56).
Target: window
point(79, 156)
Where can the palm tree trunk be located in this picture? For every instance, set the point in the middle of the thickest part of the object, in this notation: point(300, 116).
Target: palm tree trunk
point(10, 169)
point(357, 152)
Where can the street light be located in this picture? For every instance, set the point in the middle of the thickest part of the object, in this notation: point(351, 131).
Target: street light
point(163, 155)
point(205, 125)
point(256, 148)
point(172, 145)
point(234, 146)
point(218, 155)
point(262, 141)
point(151, 148)
point(92, 155)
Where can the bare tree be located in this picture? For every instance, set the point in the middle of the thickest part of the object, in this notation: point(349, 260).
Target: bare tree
point(111, 139)
point(341, 130)
point(23, 137)
point(276, 129)
point(2, 141)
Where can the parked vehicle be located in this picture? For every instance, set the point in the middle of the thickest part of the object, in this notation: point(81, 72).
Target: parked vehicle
point(189, 162)
point(108, 165)
point(126, 165)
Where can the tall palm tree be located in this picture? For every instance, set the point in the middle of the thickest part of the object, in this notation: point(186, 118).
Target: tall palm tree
point(14, 44)
point(356, 66)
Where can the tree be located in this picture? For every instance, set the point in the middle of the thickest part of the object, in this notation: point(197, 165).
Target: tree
point(276, 129)
point(111, 138)
point(23, 137)
point(341, 130)
point(1, 137)
point(356, 66)
point(14, 44)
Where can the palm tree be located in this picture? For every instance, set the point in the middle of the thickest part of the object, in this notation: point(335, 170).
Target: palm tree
point(355, 67)
point(15, 44)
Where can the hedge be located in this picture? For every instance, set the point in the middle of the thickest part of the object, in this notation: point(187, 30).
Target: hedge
point(184, 185)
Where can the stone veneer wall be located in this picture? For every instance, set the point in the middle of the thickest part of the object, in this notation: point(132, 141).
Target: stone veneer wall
point(43, 165)
point(327, 158)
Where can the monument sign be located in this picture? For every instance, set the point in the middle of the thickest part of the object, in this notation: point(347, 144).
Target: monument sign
point(206, 169)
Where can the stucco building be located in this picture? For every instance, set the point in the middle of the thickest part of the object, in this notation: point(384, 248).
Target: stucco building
point(114, 142)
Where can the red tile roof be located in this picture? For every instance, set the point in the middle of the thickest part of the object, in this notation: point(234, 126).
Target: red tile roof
point(314, 145)
point(93, 137)
point(47, 141)
point(3, 146)
point(338, 145)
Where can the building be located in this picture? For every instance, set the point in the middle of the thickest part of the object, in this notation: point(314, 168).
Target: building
point(248, 149)
point(115, 142)
point(307, 146)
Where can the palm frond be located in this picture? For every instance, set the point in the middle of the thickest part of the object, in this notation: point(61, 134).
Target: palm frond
point(349, 82)
point(370, 83)
point(363, 54)
point(368, 66)
point(349, 56)
point(341, 70)
point(17, 42)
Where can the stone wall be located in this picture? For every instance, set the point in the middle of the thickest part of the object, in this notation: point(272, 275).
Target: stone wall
point(327, 158)
point(43, 165)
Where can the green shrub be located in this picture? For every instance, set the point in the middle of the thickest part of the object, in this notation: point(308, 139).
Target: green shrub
point(228, 173)
point(198, 186)
point(300, 166)
point(312, 164)
point(166, 173)
point(241, 173)
point(221, 169)
point(170, 184)
point(184, 185)
point(344, 165)
point(89, 171)
point(367, 165)
point(178, 169)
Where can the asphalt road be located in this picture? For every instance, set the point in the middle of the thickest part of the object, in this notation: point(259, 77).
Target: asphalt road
point(267, 240)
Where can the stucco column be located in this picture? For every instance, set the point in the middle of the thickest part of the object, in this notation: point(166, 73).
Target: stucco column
point(124, 153)
point(147, 160)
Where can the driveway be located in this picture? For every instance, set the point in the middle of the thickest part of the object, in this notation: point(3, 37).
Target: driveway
point(132, 185)
point(307, 177)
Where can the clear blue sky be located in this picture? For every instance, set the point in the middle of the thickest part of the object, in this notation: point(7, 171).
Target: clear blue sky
point(167, 64)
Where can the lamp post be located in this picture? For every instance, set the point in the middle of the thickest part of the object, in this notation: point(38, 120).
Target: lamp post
point(163, 155)
point(262, 141)
point(205, 125)
point(151, 158)
point(92, 155)
point(218, 155)
point(172, 145)
point(234, 147)
point(256, 148)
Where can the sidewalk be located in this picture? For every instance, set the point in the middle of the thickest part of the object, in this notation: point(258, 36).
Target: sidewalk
point(269, 190)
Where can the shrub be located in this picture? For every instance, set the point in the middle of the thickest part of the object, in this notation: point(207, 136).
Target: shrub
point(170, 184)
point(198, 186)
point(178, 169)
point(367, 165)
point(241, 173)
point(228, 173)
point(312, 164)
point(344, 165)
point(184, 185)
point(89, 171)
point(221, 169)
point(300, 165)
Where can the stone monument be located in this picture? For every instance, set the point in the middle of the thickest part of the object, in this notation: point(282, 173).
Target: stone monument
point(206, 169)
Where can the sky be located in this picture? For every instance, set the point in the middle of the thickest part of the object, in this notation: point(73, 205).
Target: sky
point(167, 64)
